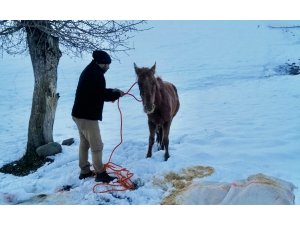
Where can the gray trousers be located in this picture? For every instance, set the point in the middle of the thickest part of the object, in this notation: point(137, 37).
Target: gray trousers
point(90, 137)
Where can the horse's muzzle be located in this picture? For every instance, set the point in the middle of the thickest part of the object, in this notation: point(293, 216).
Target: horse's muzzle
point(149, 111)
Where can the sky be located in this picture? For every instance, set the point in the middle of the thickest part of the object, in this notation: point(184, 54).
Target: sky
point(238, 112)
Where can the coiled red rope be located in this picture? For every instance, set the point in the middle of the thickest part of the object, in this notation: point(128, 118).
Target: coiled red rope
point(123, 175)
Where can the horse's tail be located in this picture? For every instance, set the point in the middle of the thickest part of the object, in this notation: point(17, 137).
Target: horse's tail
point(175, 89)
point(178, 103)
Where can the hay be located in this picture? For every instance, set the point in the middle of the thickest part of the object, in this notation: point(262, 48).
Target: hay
point(180, 181)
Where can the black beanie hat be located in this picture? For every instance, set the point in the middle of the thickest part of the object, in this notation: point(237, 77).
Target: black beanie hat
point(101, 57)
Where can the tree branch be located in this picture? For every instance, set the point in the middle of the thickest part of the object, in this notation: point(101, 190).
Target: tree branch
point(7, 28)
point(75, 36)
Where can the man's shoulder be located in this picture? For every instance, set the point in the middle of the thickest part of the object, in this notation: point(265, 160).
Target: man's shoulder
point(92, 68)
point(88, 70)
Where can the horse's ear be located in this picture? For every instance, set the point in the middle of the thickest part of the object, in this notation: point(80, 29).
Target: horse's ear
point(153, 68)
point(136, 68)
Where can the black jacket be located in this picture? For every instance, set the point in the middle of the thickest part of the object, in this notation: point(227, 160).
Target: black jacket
point(91, 93)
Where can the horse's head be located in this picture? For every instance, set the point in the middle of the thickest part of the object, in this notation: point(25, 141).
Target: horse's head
point(148, 86)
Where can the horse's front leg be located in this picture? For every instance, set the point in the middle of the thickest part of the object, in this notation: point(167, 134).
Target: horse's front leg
point(166, 131)
point(151, 138)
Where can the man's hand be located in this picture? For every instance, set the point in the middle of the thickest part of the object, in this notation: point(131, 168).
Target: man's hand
point(118, 90)
point(121, 93)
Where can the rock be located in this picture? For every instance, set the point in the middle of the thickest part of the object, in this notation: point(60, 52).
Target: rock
point(258, 189)
point(68, 142)
point(49, 149)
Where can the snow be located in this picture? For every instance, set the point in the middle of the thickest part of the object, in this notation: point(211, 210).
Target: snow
point(238, 114)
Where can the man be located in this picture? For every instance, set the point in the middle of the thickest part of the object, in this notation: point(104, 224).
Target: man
point(90, 96)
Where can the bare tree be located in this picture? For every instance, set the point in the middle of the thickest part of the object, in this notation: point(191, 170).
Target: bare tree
point(42, 39)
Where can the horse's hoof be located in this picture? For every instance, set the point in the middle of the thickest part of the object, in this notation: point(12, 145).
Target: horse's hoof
point(167, 157)
point(148, 155)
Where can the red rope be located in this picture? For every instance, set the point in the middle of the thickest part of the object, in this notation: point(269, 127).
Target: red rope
point(123, 175)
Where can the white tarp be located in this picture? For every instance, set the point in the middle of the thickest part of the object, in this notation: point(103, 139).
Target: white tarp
point(258, 189)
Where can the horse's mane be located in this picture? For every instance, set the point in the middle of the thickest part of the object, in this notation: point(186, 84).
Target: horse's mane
point(159, 81)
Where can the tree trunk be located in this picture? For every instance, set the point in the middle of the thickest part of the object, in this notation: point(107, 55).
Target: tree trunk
point(45, 54)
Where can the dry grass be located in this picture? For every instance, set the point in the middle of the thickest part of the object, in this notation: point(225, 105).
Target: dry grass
point(180, 181)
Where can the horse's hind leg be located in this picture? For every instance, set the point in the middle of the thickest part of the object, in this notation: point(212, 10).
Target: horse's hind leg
point(151, 138)
point(159, 135)
point(165, 140)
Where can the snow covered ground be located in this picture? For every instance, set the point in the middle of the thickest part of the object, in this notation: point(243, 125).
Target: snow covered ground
point(239, 113)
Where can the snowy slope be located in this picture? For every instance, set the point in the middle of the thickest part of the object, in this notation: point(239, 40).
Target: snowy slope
point(238, 114)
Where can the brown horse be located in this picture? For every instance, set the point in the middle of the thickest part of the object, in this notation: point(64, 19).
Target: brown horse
point(161, 103)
